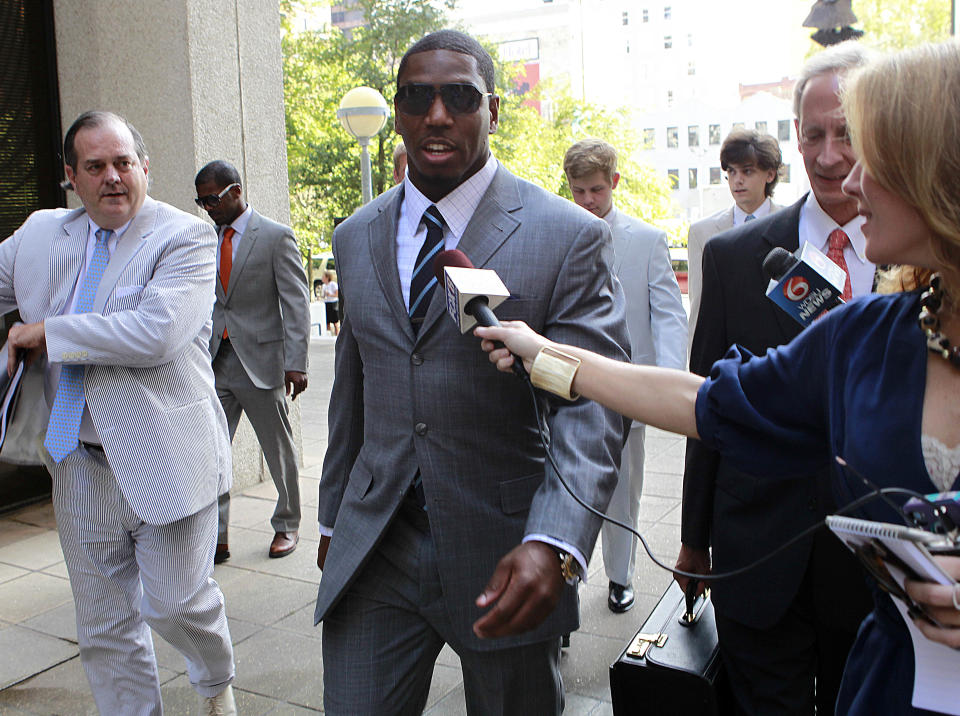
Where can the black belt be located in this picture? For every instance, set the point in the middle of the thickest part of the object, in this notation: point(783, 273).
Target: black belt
point(92, 447)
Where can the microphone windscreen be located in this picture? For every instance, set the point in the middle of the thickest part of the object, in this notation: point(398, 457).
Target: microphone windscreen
point(452, 257)
point(778, 262)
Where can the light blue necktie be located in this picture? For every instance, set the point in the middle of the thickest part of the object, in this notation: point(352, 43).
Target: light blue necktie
point(63, 430)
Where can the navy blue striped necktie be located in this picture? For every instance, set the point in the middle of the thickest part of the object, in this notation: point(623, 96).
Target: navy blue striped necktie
point(423, 282)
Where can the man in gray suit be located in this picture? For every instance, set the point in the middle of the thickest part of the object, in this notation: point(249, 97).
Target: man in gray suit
point(658, 336)
point(441, 521)
point(261, 335)
point(752, 161)
point(117, 296)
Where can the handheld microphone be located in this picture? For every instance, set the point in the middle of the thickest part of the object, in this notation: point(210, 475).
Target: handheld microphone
point(471, 294)
point(805, 284)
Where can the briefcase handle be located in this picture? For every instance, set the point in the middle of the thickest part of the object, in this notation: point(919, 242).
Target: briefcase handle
point(693, 605)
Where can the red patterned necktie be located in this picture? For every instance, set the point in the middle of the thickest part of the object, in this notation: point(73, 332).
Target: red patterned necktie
point(838, 241)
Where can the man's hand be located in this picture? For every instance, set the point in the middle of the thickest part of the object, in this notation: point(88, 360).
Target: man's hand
point(524, 590)
point(27, 337)
point(322, 551)
point(296, 383)
point(692, 559)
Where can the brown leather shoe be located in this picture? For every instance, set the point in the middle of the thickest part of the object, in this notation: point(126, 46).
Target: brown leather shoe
point(284, 543)
point(222, 554)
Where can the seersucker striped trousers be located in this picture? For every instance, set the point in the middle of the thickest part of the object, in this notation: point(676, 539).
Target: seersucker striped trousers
point(128, 576)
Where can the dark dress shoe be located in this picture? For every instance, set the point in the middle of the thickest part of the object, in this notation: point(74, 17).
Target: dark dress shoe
point(222, 554)
point(621, 597)
point(284, 543)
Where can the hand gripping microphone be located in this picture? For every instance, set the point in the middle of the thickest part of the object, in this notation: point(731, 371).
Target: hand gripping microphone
point(471, 294)
point(806, 284)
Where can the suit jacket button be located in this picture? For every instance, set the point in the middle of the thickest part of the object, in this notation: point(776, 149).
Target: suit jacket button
point(420, 429)
point(416, 359)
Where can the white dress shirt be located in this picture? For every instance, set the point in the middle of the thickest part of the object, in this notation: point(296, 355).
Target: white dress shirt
point(740, 216)
point(815, 228)
point(456, 208)
point(239, 226)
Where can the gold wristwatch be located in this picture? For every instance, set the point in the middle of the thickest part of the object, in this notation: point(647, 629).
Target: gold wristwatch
point(568, 566)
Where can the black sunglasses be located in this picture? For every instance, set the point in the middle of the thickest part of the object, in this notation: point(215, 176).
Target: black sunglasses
point(457, 98)
point(213, 200)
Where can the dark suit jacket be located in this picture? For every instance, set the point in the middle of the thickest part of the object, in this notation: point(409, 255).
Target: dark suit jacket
point(743, 517)
point(433, 401)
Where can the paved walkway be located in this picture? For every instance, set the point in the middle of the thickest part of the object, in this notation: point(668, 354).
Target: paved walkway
point(270, 601)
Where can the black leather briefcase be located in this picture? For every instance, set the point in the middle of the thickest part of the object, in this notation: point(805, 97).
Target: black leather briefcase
point(672, 666)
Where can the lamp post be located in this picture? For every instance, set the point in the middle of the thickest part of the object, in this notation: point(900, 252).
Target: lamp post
point(363, 112)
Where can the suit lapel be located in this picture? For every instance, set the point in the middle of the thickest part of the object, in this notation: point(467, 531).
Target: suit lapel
point(382, 239)
point(67, 250)
point(491, 225)
point(127, 245)
point(247, 241)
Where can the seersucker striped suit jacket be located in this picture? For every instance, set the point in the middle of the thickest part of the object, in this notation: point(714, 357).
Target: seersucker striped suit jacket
point(148, 379)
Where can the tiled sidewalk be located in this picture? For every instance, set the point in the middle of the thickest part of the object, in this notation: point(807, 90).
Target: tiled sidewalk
point(270, 601)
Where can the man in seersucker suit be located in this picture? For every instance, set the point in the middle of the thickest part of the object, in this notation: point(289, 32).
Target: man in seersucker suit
point(260, 339)
point(751, 160)
point(118, 294)
point(658, 336)
point(441, 521)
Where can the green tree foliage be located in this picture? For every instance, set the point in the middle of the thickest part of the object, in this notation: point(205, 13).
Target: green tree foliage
point(898, 24)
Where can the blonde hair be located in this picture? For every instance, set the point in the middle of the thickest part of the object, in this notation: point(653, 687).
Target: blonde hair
point(904, 114)
point(588, 156)
point(330, 274)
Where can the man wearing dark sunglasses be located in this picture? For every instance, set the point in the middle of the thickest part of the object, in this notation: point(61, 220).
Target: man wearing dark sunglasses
point(261, 329)
point(439, 521)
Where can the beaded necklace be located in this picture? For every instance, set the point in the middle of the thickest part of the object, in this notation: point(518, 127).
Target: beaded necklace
point(931, 301)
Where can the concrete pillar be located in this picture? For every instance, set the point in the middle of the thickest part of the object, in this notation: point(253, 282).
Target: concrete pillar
point(201, 80)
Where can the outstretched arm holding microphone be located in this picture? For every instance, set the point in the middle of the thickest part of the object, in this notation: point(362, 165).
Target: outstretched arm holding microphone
point(662, 397)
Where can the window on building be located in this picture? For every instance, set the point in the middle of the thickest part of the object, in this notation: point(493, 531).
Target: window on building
point(713, 134)
point(667, 42)
point(646, 15)
point(673, 175)
point(693, 136)
point(667, 12)
point(628, 47)
point(692, 178)
point(691, 68)
point(626, 18)
point(783, 130)
point(672, 138)
point(784, 174)
point(716, 176)
point(739, 125)
point(761, 127)
point(669, 98)
point(649, 138)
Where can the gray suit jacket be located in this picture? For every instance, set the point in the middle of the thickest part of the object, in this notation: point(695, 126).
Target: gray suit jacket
point(148, 380)
point(266, 307)
point(655, 316)
point(434, 402)
point(701, 232)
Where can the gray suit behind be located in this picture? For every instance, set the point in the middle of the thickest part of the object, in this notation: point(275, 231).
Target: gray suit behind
point(433, 401)
point(266, 311)
point(658, 336)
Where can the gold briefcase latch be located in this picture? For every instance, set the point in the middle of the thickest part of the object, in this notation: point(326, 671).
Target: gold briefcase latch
point(642, 642)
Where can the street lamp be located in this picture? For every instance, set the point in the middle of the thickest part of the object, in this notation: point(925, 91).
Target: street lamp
point(363, 112)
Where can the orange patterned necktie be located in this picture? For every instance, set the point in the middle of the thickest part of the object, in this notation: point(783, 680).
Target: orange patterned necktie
point(838, 241)
point(226, 261)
